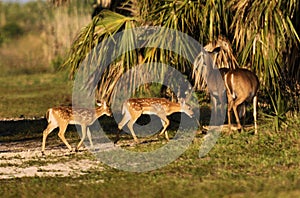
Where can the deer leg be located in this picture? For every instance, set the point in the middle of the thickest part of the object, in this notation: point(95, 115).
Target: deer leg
point(117, 136)
point(165, 122)
point(214, 110)
point(46, 132)
point(230, 104)
point(124, 120)
point(89, 135)
point(237, 102)
point(222, 106)
point(61, 135)
point(130, 126)
point(255, 113)
point(83, 129)
point(242, 112)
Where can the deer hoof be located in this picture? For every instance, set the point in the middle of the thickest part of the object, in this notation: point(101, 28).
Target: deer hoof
point(117, 139)
point(136, 141)
point(72, 151)
point(167, 138)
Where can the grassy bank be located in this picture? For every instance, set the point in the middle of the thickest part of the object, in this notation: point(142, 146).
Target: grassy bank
point(240, 165)
point(30, 95)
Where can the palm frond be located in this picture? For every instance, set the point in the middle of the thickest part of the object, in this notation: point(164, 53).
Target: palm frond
point(261, 31)
point(102, 26)
point(265, 37)
point(202, 64)
point(217, 19)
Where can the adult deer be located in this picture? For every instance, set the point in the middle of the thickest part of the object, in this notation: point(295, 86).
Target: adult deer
point(241, 85)
point(133, 108)
point(223, 60)
point(204, 69)
point(62, 116)
point(216, 87)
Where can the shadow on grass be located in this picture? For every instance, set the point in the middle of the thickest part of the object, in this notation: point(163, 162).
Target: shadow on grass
point(25, 129)
point(22, 126)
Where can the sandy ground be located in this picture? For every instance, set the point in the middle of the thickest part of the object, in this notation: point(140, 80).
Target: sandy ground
point(24, 159)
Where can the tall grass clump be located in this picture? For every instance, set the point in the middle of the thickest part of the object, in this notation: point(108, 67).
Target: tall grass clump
point(35, 36)
point(62, 24)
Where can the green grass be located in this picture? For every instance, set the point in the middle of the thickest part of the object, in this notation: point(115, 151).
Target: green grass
point(32, 94)
point(240, 165)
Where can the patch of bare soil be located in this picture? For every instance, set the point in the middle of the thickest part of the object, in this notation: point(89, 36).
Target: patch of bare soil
point(24, 159)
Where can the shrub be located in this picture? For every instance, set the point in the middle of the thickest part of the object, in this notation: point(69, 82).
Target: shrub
point(11, 30)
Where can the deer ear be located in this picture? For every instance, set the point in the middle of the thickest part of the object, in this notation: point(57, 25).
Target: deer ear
point(99, 103)
point(216, 50)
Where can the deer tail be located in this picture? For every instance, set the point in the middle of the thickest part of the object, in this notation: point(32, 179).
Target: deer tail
point(123, 108)
point(48, 115)
point(227, 79)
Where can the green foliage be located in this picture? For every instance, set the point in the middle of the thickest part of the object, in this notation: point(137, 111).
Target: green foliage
point(263, 33)
point(28, 16)
point(216, 19)
point(57, 63)
point(99, 29)
point(30, 95)
point(1, 39)
point(278, 111)
point(11, 30)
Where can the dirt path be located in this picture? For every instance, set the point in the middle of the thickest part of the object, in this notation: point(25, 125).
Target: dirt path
point(24, 159)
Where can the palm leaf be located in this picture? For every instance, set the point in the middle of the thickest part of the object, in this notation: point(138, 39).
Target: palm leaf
point(217, 19)
point(264, 35)
point(265, 28)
